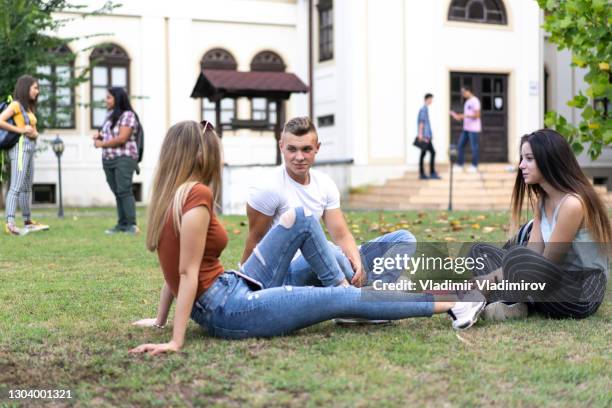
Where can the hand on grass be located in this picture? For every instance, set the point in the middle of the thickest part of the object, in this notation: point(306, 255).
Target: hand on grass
point(147, 323)
point(156, 349)
point(359, 277)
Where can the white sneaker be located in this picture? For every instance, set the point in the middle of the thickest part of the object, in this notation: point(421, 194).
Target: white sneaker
point(473, 169)
point(457, 168)
point(500, 311)
point(465, 314)
point(33, 226)
point(358, 320)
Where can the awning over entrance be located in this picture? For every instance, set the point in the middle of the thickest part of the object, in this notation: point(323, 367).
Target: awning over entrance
point(216, 84)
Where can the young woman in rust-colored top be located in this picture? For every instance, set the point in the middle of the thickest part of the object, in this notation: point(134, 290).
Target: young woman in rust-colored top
point(252, 302)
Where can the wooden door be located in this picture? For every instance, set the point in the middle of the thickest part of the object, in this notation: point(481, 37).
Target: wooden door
point(492, 90)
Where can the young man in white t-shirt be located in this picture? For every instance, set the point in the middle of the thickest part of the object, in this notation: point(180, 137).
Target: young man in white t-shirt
point(295, 184)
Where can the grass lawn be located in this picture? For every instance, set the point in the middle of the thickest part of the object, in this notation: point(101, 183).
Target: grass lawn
point(68, 296)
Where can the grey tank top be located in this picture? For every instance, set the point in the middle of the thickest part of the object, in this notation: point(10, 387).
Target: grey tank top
point(584, 253)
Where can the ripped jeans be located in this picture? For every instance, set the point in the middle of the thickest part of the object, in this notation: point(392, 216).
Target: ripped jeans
point(254, 302)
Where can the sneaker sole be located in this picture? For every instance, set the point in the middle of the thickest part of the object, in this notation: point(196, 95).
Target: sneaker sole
point(499, 311)
point(357, 321)
point(36, 229)
point(474, 318)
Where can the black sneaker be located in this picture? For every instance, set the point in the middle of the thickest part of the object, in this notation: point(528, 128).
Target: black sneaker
point(115, 230)
point(132, 230)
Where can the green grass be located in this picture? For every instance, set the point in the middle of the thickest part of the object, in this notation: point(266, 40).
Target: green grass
point(68, 296)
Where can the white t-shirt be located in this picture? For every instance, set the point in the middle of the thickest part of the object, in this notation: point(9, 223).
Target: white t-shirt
point(276, 195)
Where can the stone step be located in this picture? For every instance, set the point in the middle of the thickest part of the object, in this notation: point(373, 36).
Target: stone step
point(485, 168)
point(426, 200)
point(357, 205)
point(489, 189)
point(464, 178)
point(434, 193)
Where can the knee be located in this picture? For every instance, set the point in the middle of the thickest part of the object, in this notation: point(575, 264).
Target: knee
point(123, 192)
point(403, 236)
point(288, 218)
point(477, 249)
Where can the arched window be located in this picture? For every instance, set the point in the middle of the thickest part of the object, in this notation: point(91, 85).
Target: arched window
point(110, 67)
point(267, 61)
point(478, 11)
point(218, 58)
point(263, 108)
point(56, 99)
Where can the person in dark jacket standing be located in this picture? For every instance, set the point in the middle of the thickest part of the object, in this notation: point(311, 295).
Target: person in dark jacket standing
point(425, 134)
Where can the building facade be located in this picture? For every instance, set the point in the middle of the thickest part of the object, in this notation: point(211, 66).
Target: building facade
point(368, 64)
point(156, 50)
point(386, 58)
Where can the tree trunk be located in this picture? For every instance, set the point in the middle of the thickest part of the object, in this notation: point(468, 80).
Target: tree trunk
point(1, 195)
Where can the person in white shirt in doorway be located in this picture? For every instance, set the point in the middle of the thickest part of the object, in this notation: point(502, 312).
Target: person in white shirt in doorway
point(296, 184)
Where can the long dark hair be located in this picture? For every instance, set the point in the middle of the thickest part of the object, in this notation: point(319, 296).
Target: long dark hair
point(559, 167)
point(22, 92)
point(122, 104)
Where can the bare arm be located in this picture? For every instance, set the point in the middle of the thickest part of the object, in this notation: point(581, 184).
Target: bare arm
point(421, 126)
point(259, 224)
point(340, 234)
point(124, 135)
point(165, 301)
point(194, 227)
point(8, 113)
point(475, 115)
point(536, 243)
point(569, 220)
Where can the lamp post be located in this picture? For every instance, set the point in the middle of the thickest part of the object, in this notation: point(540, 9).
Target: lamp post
point(58, 149)
point(452, 155)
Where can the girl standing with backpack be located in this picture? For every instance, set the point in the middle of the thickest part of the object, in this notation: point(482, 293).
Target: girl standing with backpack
point(117, 138)
point(21, 154)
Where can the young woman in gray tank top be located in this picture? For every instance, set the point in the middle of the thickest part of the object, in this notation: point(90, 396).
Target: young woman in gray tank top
point(567, 250)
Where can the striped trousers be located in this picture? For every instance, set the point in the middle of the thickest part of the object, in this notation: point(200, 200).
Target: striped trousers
point(575, 294)
point(20, 190)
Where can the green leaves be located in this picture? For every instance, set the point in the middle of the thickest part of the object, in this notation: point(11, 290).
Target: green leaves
point(584, 27)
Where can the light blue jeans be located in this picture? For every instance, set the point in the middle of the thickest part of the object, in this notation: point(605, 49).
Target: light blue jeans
point(235, 308)
point(388, 245)
point(463, 139)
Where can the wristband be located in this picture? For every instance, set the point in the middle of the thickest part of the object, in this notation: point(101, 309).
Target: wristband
point(159, 326)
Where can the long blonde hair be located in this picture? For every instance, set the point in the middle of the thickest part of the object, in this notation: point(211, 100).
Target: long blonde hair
point(190, 154)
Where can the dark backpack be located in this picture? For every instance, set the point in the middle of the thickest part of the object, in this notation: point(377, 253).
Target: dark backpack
point(139, 139)
point(9, 139)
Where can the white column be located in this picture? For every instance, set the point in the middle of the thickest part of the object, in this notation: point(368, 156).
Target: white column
point(180, 79)
point(152, 109)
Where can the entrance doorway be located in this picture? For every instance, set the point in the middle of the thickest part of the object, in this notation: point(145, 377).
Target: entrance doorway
point(492, 90)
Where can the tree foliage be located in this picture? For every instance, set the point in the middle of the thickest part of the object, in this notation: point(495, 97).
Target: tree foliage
point(583, 27)
point(28, 43)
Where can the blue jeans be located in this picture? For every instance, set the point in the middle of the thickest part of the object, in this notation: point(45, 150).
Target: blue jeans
point(234, 308)
point(388, 245)
point(473, 136)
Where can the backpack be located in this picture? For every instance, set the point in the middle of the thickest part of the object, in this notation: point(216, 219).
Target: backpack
point(139, 139)
point(9, 139)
